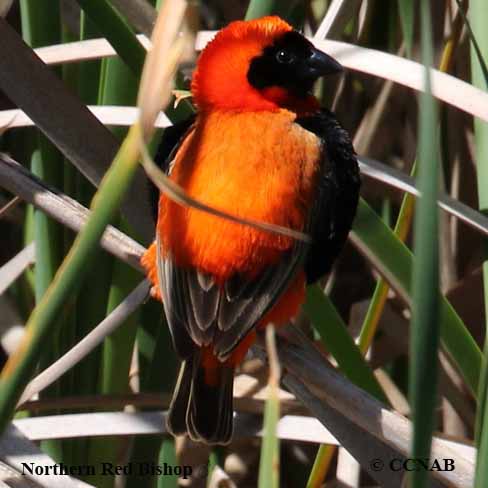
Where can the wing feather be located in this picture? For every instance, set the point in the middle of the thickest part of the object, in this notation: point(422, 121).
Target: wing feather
point(205, 302)
point(337, 193)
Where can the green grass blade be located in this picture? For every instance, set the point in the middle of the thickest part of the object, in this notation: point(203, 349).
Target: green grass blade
point(269, 463)
point(167, 455)
point(47, 164)
point(425, 329)
point(117, 31)
point(89, 72)
point(117, 358)
point(285, 10)
point(118, 86)
point(336, 338)
point(481, 64)
point(259, 8)
point(407, 17)
point(159, 367)
point(91, 299)
point(40, 325)
point(67, 334)
point(396, 259)
point(321, 465)
point(373, 315)
point(380, 294)
point(40, 21)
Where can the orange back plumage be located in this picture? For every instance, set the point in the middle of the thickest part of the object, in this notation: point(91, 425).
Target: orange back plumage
point(220, 80)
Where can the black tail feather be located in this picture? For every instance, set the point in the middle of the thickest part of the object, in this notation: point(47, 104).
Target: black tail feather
point(201, 410)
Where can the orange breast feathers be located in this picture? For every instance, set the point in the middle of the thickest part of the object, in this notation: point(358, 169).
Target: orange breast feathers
point(260, 166)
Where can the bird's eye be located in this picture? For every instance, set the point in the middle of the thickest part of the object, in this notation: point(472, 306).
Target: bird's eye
point(284, 57)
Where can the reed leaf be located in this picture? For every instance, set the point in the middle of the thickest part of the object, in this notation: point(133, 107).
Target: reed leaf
point(117, 31)
point(425, 325)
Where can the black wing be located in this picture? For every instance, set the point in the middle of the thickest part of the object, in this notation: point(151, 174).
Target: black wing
point(337, 193)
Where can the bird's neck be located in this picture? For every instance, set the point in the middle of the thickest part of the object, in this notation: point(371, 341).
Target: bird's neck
point(301, 105)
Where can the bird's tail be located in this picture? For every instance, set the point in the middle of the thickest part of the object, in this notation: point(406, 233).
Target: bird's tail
point(202, 401)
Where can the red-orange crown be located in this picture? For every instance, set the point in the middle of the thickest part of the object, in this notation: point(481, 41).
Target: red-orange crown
point(220, 79)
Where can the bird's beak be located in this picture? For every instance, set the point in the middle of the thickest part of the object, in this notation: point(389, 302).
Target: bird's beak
point(321, 64)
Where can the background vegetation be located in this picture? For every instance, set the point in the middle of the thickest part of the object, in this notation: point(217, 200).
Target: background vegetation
point(386, 362)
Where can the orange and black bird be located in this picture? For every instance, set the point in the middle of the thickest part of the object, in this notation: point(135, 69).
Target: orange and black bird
point(259, 147)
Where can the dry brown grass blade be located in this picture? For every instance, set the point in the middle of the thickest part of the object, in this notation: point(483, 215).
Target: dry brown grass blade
point(13, 268)
point(140, 13)
point(248, 404)
point(366, 130)
point(177, 194)
point(220, 478)
point(106, 114)
point(397, 179)
point(5, 7)
point(348, 471)
point(17, 180)
point(157, 77)
point(248, 397)
point(340, 399)
point(16, 449)
point(9, 206)
point(338, 15)
point(181, 95)
point(66, 121)
point(73, 52)
point(86, 345)
point(273, 360)
point(365, 447)
point(51, 106)
point(290, 427)
point(409, 73)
